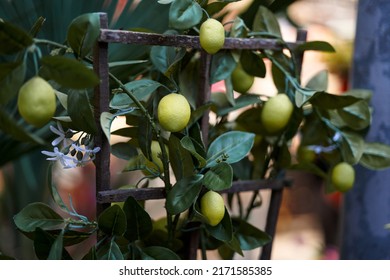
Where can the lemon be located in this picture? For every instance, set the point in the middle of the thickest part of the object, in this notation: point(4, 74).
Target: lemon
point(36, 101)
point(241, 80)
point(276, 113)
point(155, 166)
point(343, 176)
point(212, 206)
point(211, 35)
point(306, 155)
point(173, 112)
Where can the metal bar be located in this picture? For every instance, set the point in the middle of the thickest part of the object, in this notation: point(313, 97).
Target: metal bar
point(141, 38)
point(108, 196)
point(101, 104)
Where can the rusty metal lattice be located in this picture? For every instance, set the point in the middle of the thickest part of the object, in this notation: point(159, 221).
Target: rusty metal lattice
point(104, 194)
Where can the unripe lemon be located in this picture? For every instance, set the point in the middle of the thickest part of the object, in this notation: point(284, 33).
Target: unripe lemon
point(37, 101)
point(276, 113)
point(212, 206)
point(155, 166)
point(173, 112)
point(211, 36)
point(241, 80)
point(306, 155)
point(343, 176)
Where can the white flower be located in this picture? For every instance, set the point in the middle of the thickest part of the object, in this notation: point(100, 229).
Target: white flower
point(65, 160)
point(61, 135)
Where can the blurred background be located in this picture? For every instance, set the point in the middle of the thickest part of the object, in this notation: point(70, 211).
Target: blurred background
point(309, 223)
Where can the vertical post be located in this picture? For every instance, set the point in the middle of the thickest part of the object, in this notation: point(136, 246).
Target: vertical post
point(204, 92)
point(366, 208)
point(101, 104)
point(276, 195)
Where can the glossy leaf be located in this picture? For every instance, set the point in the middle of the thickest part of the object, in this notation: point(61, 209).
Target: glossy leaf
point(184, 14)
point(165, 58)
point(224, 230)
point(326, 100)
point(189, 145)
point(112, 221)
point(376, 156)
point(12, 76)
point(239, 29)
point(13, 39)
point(183, 194)
point(316, 46)
point(179, 158)
point(230, 147)
point(158, 253)
point(80, 111)
point(123, 150)
point(110, 251)
point(83, 33)
point(252, 63)
point(35, 215)
point(106, 120)
point(219, 177)
point(43, 242)
point(249, 236)
point(266, 21)
point(222, 66)
point(356, 116)
point(68, 72)
point(319, 82)
point(352, 147)
point(240, 102)
point(57, 247)
point(139, 223)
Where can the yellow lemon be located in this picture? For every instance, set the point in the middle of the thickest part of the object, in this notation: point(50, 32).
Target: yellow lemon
point(36, 101)
point(211, 36)
point(173, 112)
point(276, 113)
point(212, 206)
point(241, 80)
point(343, 176)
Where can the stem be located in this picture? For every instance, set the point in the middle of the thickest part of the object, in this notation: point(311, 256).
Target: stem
point(48, 42)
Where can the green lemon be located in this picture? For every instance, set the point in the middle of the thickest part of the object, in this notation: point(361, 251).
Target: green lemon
point(212, 206)
point(36, 101)
point(155, 166)
point(173, 112)
point(306, 155)
point(343, 176)
point(241, 80)
point(276, 113)
point(211, 36)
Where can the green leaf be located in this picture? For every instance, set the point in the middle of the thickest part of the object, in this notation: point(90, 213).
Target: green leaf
point(183, 194)
point(112, 221)
point(81, 112)
point(217, 6)
point(83, 32)
point(319, 82)
point(219, 177)
point(13, 39)
point(110, 251)
point(252, 63)
point(57, 247)
point(230, 147)
point(106, 120)
point(224, 230)
point(316, 46)
point(123, 150)
point(43, 242)
point(303, 95)
point(179, 158)
point(166, 59)
point(12, 76)
point(184, 14)
point(68, 72)
point(241, 102)
point(36, 215)
point(239, 29)
point(139, 223)
point(222, 66)
point(266, 21)
point(356, 116)
point(352, 147)
point(376, 156)
point(249, 236)
point(16, 130)
point(187, 143)
point(326, 100)
point(159, 253)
